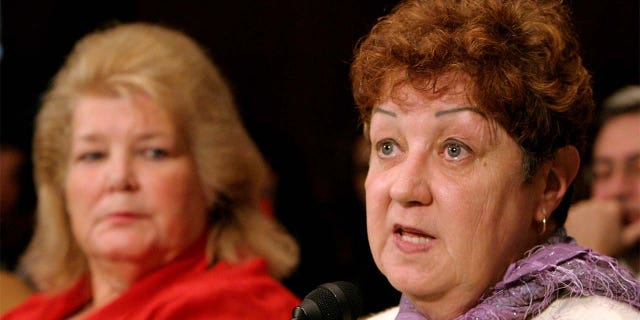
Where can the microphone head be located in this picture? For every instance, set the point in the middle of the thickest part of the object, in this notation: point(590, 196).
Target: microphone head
point(338, 300)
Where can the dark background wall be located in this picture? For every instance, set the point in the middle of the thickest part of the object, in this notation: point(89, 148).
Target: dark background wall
point(287, 62)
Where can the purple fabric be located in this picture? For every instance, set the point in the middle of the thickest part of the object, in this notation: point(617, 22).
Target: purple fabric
point(556, 268)
point(408, 311)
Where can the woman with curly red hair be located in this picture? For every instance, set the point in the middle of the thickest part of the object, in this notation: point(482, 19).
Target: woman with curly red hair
point(476, 112)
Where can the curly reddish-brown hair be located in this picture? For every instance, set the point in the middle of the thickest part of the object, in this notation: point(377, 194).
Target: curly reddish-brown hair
point(521, 56)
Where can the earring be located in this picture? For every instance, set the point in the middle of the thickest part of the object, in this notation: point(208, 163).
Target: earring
point(543, 224)
point(543, 228)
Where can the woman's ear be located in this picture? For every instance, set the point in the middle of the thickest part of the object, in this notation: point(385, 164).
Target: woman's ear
point(564, 168)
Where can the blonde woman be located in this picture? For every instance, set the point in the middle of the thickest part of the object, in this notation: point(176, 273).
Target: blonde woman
point(148, 190)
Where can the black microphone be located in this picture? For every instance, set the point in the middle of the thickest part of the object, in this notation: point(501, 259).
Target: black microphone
point(338, 300)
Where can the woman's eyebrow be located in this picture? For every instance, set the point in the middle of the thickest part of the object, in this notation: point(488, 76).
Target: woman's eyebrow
point(472, 109)
point(387, 112)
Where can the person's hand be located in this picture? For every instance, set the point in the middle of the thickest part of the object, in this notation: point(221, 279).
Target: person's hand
point(600, 225)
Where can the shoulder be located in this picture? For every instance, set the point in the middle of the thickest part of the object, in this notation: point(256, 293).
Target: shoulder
point(31, 308)
point(388, 314)
point(14, 290)
point(249, 277)
point(228, 291)
point(50, 305)
point(588, 308)
point(42, 306)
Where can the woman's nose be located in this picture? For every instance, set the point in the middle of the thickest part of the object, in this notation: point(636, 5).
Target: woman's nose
point(410, 184)
point(121, 174)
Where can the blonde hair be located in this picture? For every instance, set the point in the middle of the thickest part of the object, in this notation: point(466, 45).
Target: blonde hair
point(173, 70)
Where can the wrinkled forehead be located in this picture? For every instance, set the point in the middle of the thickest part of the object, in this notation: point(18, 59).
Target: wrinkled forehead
point(448, 94)
point(410, 92)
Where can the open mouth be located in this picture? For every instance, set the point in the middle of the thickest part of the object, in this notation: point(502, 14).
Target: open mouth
point(413, 236)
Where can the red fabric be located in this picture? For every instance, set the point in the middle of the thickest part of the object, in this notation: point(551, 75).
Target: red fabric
point(183, 289)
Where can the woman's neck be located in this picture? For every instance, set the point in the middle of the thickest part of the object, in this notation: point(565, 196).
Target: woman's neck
point(109, 279)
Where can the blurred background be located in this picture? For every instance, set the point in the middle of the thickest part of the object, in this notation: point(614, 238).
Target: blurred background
point(287, 62)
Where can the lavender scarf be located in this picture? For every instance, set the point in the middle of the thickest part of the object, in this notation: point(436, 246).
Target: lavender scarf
point(555, 268)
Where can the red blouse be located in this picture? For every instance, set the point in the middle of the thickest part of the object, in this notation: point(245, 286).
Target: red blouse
point(183, 289)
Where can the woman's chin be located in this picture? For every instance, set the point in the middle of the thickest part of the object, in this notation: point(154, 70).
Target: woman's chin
point(413, 287)
point(123, 249)
point(416, 280)
point(410, 281)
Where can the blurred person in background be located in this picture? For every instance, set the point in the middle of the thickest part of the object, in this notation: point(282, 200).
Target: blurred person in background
point(609, 222)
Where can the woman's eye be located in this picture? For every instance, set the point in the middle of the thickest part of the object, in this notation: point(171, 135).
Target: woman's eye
point(155, 153)
point(386, 148)
point(456, 150)
point(91, 156)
